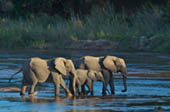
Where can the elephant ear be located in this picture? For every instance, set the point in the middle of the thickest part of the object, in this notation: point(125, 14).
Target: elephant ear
point(59, 64)
point(70, 64)
point(110, 63)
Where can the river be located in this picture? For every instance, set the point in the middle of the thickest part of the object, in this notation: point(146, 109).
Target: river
point(148, 84)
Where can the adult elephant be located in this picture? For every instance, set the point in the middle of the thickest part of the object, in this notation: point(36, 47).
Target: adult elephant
point(37, 70)
point(106, 65)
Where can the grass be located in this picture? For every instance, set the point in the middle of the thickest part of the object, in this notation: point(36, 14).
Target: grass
point(54, 32)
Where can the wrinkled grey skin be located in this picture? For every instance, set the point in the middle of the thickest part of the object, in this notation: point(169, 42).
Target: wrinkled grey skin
point(86, 77)
point(37, 70)
point(106, 65)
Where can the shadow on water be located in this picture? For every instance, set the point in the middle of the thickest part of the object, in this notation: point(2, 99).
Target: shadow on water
point(148, 84)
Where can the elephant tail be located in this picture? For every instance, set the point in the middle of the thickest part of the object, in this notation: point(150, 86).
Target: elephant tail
point(14, 75)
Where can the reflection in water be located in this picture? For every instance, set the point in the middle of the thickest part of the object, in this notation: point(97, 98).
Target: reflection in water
point(144, 95)
point(32, 99)
point(137, 98)
point(78, 104)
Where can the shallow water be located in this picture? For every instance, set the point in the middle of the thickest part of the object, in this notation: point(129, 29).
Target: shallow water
point(148, 85)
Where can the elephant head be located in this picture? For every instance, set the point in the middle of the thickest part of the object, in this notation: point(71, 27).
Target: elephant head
point(65, 66)
point(115, 64)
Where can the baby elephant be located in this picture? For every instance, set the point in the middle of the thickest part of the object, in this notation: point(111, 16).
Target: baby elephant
point(86, 77)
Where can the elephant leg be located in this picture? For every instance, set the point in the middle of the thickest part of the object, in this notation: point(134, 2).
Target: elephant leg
point(31, 91)
point(56, 82)
point(33, 82)
point(74, 84)
point(90, 86)
point(57, 88)
point(106, 75)
point(104, 89)
point(23, 87)
point(92, 93)
point(83, 90)
point(78, 84)
point(70, 84)
point(79, 90)
point(64, 86)
point(111, 83)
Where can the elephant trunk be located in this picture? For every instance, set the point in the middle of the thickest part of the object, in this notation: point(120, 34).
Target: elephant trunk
point(124, 81)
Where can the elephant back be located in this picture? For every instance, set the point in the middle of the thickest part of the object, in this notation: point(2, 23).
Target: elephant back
point(92, 63)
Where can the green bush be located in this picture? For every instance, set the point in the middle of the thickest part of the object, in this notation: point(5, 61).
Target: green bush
point(54, 32)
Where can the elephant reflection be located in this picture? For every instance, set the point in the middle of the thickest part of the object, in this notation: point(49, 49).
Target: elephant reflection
point(37, 70)
point(106, 65)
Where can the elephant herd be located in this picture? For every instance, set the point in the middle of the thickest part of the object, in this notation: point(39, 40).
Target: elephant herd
point(36, 70)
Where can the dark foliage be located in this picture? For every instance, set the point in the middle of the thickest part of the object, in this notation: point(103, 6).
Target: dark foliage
point(65, 8)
